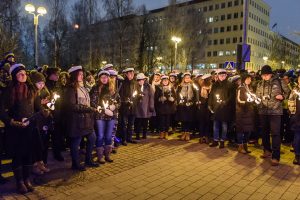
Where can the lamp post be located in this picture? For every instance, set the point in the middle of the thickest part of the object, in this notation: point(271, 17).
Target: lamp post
point(282, 64)
point(176, 40)
point(36, 13)
point(265, 58)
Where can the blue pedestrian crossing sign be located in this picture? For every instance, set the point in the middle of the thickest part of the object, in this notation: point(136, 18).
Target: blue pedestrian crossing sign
point(229, 65)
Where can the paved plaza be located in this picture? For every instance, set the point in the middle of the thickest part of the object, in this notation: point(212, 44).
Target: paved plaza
point(172, 169)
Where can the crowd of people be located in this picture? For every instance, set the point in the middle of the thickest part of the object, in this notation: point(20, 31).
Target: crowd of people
point(85, 111)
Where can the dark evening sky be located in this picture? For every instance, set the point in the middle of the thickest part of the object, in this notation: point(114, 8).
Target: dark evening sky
point(284, 12)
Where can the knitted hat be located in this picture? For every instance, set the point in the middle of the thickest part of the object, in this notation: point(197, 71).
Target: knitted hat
point(266, 69)
point(8, 54)
point(52, 70)
point(36, 77)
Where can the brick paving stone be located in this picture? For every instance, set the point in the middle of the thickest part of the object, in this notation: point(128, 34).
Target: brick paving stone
point(160, 169)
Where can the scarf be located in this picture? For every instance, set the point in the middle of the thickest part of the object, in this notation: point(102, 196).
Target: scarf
point(187, 91)
point(205, 90)
point(83, 97)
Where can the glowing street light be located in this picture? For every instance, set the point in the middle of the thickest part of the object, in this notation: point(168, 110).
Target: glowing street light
point(176, 40)
point(40, 11)
point(265, 58)
point(76, 26)
point(282, 64)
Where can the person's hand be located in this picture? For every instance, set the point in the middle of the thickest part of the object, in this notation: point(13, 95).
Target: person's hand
point(112, 107)
point(108, 112)
point(44, 101)
point(171, 99)
point(279, 97)
point(18, 123)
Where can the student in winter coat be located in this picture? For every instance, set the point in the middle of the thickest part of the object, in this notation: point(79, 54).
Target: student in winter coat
point(203, 113)
point(80, 118)
point(270, 91)
point(104, 94)
point(41, 137)
point(294, 108)
point(127, 97)
point(186, 100)
point(144, 105)
point(17, 105)
point(165, 105)
point(244, 113)
point(174, 84)
point(220, 103)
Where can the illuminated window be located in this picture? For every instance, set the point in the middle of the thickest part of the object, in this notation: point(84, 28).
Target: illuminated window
point(221, 53)
point(227, 53)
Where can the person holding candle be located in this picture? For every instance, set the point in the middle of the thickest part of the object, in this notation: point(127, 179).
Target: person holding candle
point(102, 94)
point(220, 104)
point(186, 100)
point(144, 105)
point(80, 118)
point(18, 103)
point(165, 104)
point(203, 113)
point(128, 94)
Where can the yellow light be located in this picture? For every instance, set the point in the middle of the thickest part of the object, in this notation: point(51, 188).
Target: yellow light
point(42, 10)
point(176, 39)
point(265, 58)
point(29, 8)
point(76, 26)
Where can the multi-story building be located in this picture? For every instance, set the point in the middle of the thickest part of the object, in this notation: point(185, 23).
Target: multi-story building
point(226, 21)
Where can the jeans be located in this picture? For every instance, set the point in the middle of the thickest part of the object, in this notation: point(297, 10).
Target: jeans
point(217, 126)
point(104, 132)
point(127, 123)
point(242, 138)
point(75, 142)
point(296, 143)
point(271, 124)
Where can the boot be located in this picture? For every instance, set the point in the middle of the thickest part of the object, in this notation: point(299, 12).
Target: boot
point(241, 149)
point(183, 136)
point(42, 167)
point(246, 148)
point(296, 160)
point(187, 137)
point(222, 145)
point(206, 140)
point(214, 144)
point(77, 166)
point(36, 170)
point(166, 135)
point(267, 154)
point(107, 151)
point(21, 188)
point(161, 135)
point(274, 162)
point(26, 177)
point(100, 151)
point(201, 140)
point(91, 163)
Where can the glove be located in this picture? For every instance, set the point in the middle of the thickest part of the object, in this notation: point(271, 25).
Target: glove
point(162, 99)
point(108, 112)
point(112, 107)
point(171, 99)
point(19, 124)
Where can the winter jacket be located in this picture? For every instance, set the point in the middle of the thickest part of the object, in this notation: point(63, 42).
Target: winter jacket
point(267, 91)
point(126, 95)
point(144, 103)
point(97, 99)
point(244, 111)
point(165, 100)
point(80, 118)
point(221, 101)
point(186, 104)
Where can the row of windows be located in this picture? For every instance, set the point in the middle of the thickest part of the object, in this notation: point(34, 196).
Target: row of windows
point(221, 6)
point(258, 19)
point(220, 53)
point(258, 43)
point(224, 17)
point(227, 28)
point(258, 7)
point(258, 31)
point(222, 41)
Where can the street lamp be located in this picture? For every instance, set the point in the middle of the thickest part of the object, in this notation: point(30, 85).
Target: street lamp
point(36, 13)
point(265, 58)
point(282, 64)
point(176, 40)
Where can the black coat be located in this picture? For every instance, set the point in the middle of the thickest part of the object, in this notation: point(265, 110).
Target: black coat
point(126, 92)
point(80, 118)
point(186, 111)
point(19, 140)
point(144, 103)
point(203, 113)
point(222, 109)
point(244, 112)
point(164, 107)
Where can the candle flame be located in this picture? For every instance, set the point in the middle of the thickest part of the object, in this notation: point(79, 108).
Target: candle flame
point(195, 87)
point(134, 93)
point(105, 104)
